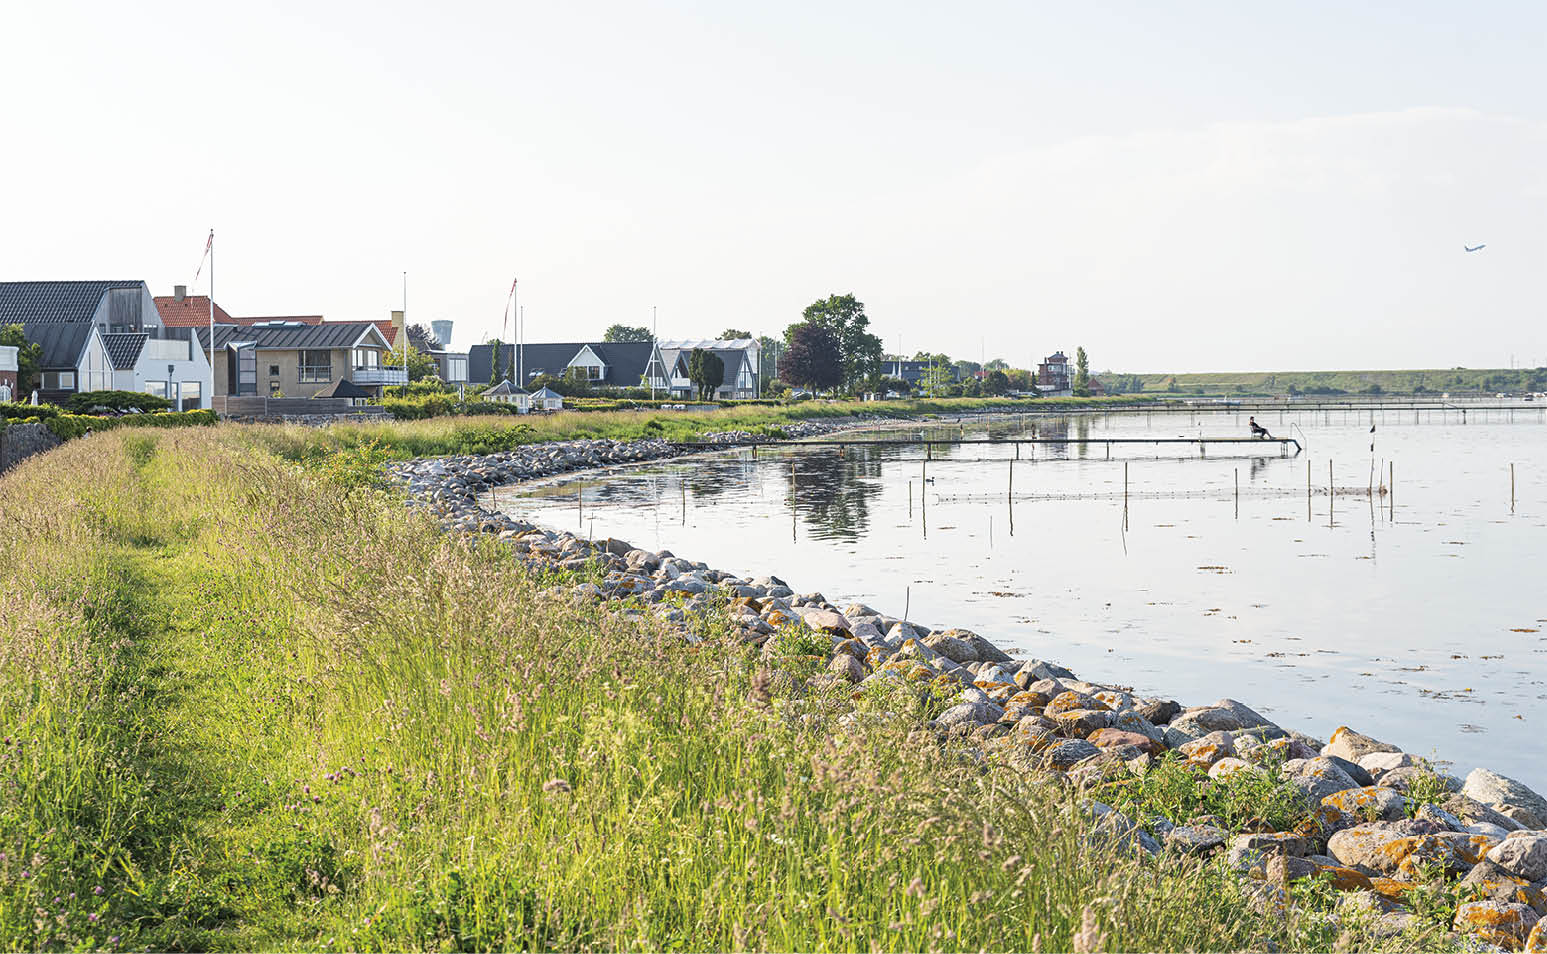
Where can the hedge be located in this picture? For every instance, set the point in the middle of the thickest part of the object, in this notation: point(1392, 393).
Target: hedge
point(441, 405)
point(16, 410)
point(67, 426)
point(83, 402)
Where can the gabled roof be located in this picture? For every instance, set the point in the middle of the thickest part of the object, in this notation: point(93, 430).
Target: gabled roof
point(191, 312)
point(63, 342)
point(289, 335)
point(544, 394)
point(343, 388)
point(22, 302)
point(123, 349)
point(503, 389)
point(387, 332)
point(625, 360)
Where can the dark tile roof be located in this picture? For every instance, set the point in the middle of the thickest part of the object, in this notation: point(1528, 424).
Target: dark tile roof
point(123, 349)
point(343, 388)
point(62, 342)
point(625, 360)
point(288, 335)
point(22, 302)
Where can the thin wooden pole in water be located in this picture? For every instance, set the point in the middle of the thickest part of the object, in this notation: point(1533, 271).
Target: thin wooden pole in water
point(1331, 492)
point(907, 600)
point(1238, 493)
point(580, 501)
point(684, 486)
point(1511, 488)
point(910, 500)
point(1011, 493)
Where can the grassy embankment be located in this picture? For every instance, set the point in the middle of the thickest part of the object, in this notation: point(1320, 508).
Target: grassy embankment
point(479, 435)
point(1277, 383)
point(245, 708)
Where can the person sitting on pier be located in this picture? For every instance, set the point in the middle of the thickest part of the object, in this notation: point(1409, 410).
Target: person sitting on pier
point(1258, 431)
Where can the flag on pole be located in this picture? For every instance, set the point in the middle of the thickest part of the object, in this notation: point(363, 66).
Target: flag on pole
point(505, 322)
point(209, 246)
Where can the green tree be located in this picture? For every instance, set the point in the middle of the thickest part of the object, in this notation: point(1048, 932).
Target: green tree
point(627, 333)
point(730, 334)
point(494, 363)
point(859, 351)
point(420, 365)
point(937, 378)
point(997, 382)
point(29, 357)
point(1081, 373)
point(706, 371)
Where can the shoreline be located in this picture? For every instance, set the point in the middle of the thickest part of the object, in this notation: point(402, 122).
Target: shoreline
point(1036, 716)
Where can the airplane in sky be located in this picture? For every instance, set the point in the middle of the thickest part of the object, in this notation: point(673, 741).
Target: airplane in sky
point(1474, 248)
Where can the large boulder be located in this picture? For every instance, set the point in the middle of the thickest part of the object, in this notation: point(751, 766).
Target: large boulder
point(969, 714)
point(1522, 855)
point(1508, 797)
point(1317, 778)
point(1351, 745)
point(1361, 846)
point(1497, 922)
point(951, 647)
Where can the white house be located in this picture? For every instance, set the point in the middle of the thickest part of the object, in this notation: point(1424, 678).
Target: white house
point(507, 393)
point(172, 367)
point(547, 399)
point(739, 355)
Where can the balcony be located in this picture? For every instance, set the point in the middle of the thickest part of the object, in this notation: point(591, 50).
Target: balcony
point(369, 377)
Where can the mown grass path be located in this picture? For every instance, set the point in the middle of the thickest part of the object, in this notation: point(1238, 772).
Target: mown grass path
point(257, 709)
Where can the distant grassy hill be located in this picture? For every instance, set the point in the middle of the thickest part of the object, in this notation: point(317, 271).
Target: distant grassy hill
point(1434, 380)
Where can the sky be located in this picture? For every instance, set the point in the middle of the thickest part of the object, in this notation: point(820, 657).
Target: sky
point(1186, 186)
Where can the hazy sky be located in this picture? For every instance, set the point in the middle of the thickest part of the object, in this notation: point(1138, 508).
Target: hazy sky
point(1179, 186)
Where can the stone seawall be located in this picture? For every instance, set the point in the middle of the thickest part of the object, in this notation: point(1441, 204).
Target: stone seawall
point(20, 441)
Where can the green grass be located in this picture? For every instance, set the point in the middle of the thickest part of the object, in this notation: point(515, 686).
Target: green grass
point(481, 435)
point(263, 709)
point(1263, 383)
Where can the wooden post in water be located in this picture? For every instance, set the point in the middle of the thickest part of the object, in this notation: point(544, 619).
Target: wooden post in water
point(910, 501)
point(1238, 493)
point(1011, 492)
point(1511, 488)
point(684, 486)
point(1331, 491)
point(580, 501)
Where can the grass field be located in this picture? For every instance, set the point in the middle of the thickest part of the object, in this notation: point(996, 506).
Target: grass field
point(481, 435)
point(247, 707)
point(1433, 381)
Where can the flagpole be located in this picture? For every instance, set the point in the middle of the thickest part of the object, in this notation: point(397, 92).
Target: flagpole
point(405, 333)
point(212, 318)
point(520, 363)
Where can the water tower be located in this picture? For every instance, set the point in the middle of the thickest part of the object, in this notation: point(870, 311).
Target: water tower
point(442, 331)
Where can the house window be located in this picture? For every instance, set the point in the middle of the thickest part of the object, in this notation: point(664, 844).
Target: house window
point(593, 373)
point(192, 392)
point(156, 388)
point(316, 366)
point(273, 370)
point(59, 381)
point(366, 358)
point(274, 388)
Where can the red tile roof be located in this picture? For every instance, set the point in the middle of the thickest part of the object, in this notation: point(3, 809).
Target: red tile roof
point(388, 332)
point(191, 312)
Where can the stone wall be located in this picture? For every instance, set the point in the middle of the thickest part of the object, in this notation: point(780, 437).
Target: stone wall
point(20, 441)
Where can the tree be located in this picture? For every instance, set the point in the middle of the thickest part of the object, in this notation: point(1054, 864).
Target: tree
point(859, 351)
point(997, 364)
point(1081, 373)
point(997, 382)
point(29, 357)
point(812, 359)
point(420, 365)
point(966, 369)
point(422, 338)
point(730, 334)
point(767, 359)
point(494, 363)
point(627, 333)
point(706, 371)
point(937, 378)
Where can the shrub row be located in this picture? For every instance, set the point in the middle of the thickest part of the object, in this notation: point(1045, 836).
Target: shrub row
point(68, 426)
point(441, 405)
point(85, 401)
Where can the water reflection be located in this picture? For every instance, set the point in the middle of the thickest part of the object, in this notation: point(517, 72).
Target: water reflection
point(832, 491)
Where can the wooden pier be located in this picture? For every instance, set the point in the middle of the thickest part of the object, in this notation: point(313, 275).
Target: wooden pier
point(1284, 443)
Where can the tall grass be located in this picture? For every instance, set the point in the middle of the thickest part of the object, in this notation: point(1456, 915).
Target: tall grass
point(258, 710)
point(482, 435)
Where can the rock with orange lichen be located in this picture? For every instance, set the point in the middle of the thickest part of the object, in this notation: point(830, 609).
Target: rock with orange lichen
point(1523, 855)
point(1071, 701)
point(1317, 778)
point(1413, 856)
point(1361, 846)
point(1106, 738)
point(1497, 922)
point(1393, 889)
point(1080, 723)
point(1208, 749)
point(1034, 700)
point(1536, 941)
point(1345, 879)
point(1348, 744)
point(1229, 766)
point(1487, 880)
point(1365, 804)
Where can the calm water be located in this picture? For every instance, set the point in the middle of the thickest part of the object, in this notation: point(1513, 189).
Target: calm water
point(1418, 616)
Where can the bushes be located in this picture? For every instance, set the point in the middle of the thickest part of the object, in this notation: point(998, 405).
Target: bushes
point(17, 411)
point(441, 405)
point(68, 426)
point(85, 401)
